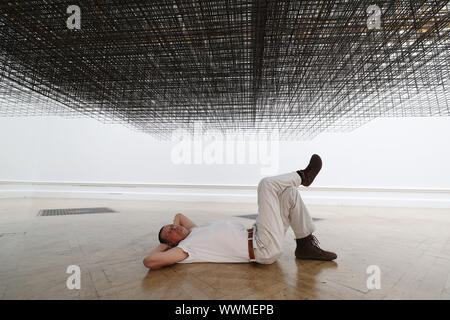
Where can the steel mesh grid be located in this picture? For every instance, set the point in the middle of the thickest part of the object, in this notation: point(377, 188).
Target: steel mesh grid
point(301, 67)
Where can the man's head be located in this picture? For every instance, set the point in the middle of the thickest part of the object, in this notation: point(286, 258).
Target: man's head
point(172, 234)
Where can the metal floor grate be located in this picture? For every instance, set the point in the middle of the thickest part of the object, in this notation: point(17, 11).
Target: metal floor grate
point(71, 211)
point(253, 216)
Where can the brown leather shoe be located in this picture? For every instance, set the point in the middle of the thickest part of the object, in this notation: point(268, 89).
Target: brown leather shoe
point(308, 249)
point(310, 172)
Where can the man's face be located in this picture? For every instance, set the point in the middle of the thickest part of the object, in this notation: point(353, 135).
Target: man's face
point(174, 234)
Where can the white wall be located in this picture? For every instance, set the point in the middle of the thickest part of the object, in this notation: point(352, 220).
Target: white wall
point(405, 153)
point(385, 153)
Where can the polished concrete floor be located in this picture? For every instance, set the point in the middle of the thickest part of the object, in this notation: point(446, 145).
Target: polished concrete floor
point(410, 246)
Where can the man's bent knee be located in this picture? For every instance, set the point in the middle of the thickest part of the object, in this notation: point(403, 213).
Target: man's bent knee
point(289, 195)
point(264, 183)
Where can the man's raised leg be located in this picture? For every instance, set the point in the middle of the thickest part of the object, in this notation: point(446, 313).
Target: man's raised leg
point(270, 225)
point(280, 205)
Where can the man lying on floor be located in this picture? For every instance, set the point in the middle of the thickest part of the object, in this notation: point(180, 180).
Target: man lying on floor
point(279, 206)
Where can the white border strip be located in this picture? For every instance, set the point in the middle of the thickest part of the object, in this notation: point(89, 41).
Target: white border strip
point(400, 197)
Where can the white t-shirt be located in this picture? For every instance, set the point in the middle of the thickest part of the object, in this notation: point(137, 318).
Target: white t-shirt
point(220, 241)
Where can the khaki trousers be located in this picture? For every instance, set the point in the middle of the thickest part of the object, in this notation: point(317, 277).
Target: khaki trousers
point(279, 206)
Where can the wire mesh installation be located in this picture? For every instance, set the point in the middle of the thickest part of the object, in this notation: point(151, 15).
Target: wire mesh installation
point(300, 67)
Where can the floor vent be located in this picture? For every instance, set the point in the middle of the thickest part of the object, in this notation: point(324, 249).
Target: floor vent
point(71, 211)
point(253, 217)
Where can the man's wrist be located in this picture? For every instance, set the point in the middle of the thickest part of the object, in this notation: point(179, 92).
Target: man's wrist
point(164, 246)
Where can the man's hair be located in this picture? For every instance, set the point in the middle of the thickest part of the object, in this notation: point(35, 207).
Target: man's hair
point(161, 239)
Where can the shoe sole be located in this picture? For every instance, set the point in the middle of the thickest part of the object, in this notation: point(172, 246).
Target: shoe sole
point(318, 259)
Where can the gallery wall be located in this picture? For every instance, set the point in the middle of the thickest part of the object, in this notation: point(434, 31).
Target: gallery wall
point(384, 153)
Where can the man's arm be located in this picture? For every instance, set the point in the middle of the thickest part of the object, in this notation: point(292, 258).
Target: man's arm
point(164, 255)
point(182, 220)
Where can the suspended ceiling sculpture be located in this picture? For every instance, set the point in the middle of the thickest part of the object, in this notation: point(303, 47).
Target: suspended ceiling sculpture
point(299, 67)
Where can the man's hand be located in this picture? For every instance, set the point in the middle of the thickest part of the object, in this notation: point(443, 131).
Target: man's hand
point(176, 219)
point(182, 220)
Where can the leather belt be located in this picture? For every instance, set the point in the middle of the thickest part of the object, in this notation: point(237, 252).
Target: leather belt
point(251, 253)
